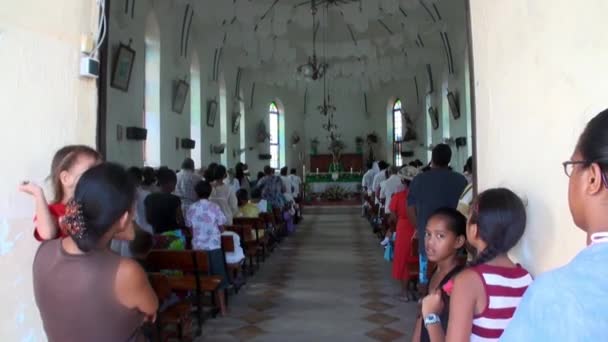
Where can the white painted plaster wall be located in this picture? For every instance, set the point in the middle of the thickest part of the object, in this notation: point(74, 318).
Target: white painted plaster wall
point(44, 105)
point(541, 72)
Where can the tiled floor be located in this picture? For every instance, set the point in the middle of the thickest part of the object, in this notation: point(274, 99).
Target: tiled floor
point(328, 282)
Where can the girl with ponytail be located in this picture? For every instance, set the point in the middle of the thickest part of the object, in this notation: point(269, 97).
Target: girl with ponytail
point(483, 298)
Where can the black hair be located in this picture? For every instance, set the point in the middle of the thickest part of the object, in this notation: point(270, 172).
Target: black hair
point(166, 176)
point(242, 196)
point(219, 173)
point(148, 176)
point(456, 222)
point(284, 170)
point(593, 142)
point(261, 175)
point(103, 194)
point(210, 171)
point(256, 193)
point(203, 189)
point(239, 171)
point(468, 167)
point(268, 170)
point(188, 164)
point(293, 171)
point(441, 155)
point(500, 217)
point(382, 165)
point(136, 175)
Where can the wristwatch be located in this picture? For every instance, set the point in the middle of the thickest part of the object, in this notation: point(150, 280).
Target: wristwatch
point(431, 319)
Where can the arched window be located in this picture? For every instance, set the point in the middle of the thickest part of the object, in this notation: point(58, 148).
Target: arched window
point(223, 117)
point(195, 111)
point(397, 133)
point(242, 131)
point(273, 113)
point(151, 112)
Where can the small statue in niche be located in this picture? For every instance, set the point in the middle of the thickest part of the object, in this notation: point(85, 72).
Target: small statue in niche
point(410, 128)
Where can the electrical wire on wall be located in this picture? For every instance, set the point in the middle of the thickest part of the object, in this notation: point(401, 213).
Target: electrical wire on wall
point(101, 29)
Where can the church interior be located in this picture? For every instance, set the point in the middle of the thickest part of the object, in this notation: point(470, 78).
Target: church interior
point(324, 90)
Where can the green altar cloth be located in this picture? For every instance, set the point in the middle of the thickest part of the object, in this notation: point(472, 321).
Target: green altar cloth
point(344, 177)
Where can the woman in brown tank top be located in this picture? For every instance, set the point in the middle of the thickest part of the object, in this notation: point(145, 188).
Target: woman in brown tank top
point(84, 291)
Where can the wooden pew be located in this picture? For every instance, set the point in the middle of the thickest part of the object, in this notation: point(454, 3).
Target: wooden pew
point(177, 315)
point(195, 275)
point(233, 270)
point(248, 243)
point(259, 230)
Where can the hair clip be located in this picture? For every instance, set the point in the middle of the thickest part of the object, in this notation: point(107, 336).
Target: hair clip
point(73, 220)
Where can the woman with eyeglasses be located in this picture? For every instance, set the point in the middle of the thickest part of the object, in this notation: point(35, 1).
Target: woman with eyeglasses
point(571, 302)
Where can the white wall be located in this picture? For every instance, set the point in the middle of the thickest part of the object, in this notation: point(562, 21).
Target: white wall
point(44, 105)
point(125, 108)
point(292, 103)
point(541, 72)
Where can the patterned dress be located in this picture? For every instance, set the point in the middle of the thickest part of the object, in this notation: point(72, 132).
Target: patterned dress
point(205, 218)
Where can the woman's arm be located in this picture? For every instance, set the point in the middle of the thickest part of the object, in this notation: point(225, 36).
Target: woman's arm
point(133, 290)
point(462, 309)
point(467, 287)
point(45, 223)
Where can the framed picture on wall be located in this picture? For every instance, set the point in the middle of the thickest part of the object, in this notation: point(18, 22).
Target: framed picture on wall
point(122, 68)
point(434, 115)
point(180, 94)
point(236, 122)
point(454, 109)
point(211, 112)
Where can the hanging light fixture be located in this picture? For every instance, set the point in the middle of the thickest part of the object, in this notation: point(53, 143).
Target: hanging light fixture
point(327, 108)
point(313, 69)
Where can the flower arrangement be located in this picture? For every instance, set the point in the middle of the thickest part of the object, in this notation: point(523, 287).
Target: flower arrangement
point(262, 133)
point(334, 193)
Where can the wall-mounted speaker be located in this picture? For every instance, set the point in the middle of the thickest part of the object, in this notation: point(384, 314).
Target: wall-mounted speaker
point(188, 144)
point(136, 133)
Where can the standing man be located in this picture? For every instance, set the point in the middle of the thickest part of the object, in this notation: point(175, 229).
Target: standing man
point(437, 188)
point(366, 184)
point(186, 180)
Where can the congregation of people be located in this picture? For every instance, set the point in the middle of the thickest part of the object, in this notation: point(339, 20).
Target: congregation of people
point(449, 247)
point(106, 226)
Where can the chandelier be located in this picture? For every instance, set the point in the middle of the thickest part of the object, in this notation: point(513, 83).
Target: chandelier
point(326, 108)
point(314, 69)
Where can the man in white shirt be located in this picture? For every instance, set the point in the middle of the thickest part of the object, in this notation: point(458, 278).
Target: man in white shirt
point(296, 182)
point(368, 178)
point(391, 186)
point(186, 181)
point(379, 178)
point(367, 182)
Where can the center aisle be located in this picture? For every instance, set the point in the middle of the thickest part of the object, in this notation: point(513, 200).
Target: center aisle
point(328, 282)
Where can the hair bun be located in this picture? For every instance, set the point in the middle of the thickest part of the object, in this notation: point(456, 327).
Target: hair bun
point(73, 220)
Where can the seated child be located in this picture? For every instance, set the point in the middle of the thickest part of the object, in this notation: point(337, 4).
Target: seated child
point(248, 209)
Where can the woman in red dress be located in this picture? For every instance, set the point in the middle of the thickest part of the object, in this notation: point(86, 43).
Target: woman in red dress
point(403, 258)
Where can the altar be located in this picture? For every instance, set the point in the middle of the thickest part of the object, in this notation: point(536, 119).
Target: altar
point(320, 182)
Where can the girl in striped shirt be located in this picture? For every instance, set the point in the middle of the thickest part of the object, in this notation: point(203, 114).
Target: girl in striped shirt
point(484, 296)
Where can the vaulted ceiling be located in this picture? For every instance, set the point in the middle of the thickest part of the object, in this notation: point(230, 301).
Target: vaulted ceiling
point(365, 42)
